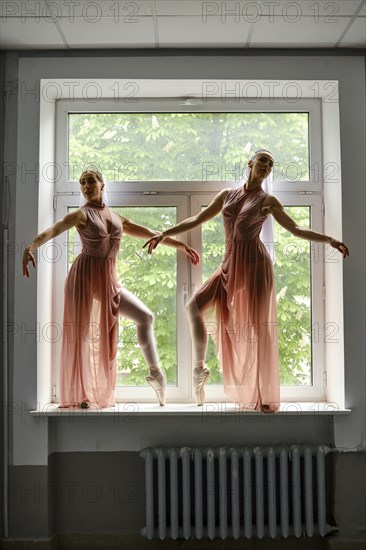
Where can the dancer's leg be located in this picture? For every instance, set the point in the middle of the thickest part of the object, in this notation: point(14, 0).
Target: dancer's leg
point(198, 332)
point(200, 302)
point(131, 307)
point(195, 309)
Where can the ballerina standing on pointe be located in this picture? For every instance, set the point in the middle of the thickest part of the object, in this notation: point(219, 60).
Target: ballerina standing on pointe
point(239, 298)
point(94, 299)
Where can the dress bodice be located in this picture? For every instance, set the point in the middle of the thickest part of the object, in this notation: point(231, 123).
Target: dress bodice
point(101, 236)
point(242, 213)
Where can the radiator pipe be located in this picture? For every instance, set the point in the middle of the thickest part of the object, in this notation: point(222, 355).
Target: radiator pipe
point(174, 494)
point(186, 478)
point(211, 494)
point(161, 495)
point(198, 493)
point(284, 493)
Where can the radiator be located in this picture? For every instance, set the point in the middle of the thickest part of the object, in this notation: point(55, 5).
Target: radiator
point(235, 492)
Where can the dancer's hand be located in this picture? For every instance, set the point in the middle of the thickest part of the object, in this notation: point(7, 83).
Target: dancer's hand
point(27, 257)
point(153, 242)
point(341, 247)
point(191, 253)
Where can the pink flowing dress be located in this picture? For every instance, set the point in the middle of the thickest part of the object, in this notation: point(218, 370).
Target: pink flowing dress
point(90, 325)
point(239, 306)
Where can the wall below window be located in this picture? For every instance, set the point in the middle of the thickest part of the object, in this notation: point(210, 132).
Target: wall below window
point(104, 493)
point(31, 440)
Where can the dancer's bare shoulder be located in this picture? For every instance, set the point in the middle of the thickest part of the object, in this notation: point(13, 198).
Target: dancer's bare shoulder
point(214, 207)
point(77, 219)
point(221, 196)
point(269, 203)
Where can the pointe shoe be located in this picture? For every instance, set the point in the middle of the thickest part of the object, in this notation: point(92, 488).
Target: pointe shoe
point(200, 377)
point(157, 382)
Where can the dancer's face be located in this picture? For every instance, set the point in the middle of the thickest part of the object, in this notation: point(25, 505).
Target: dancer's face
point(261, 165)
point(91, 187)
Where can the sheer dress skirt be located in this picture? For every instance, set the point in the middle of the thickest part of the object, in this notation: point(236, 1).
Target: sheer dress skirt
point(239, 307)
point(90, 339)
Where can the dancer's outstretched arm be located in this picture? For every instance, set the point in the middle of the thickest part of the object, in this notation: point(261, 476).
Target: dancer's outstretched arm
point(186, 225)
point(70, 220)
point(279, 214)
point(136, 230)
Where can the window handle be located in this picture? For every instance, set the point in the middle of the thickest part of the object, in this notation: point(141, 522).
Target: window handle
point(185, 294)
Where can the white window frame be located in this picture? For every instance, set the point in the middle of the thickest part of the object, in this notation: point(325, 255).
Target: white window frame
point(313, 185)
point(326, 141)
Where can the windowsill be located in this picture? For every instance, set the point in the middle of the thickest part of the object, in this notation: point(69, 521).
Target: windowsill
point(188, 409)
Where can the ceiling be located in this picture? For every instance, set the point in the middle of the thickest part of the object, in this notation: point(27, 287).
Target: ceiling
point(115, 24)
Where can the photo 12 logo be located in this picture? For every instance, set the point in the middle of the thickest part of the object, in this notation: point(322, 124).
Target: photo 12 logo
point(268, 11)
point(117, 11)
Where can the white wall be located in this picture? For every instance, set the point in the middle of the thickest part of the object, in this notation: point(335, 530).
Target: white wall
point(30, 438)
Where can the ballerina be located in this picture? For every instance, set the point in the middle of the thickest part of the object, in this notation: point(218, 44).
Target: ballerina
point(239, 297)
point(94, 299)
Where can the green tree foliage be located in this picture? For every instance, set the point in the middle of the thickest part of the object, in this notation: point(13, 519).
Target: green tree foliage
point(186, 146)
point(153, 280)
point(293, 285)
point(196, 146)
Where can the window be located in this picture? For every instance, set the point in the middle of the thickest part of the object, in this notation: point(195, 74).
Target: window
point(165, 161)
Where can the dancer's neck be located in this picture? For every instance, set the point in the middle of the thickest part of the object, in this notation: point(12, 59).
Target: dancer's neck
point(253, 183)
point(96, 204)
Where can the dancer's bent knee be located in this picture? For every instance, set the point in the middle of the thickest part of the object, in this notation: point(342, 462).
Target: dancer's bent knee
point(147, 319)
point(192, 309)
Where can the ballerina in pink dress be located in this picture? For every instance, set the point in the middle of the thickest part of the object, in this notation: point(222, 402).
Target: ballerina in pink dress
point(239, 298)
point(94, 298)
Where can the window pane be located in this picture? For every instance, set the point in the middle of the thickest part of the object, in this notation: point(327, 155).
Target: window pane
point(293, 289)
point(153, 280)
point(186, 146)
